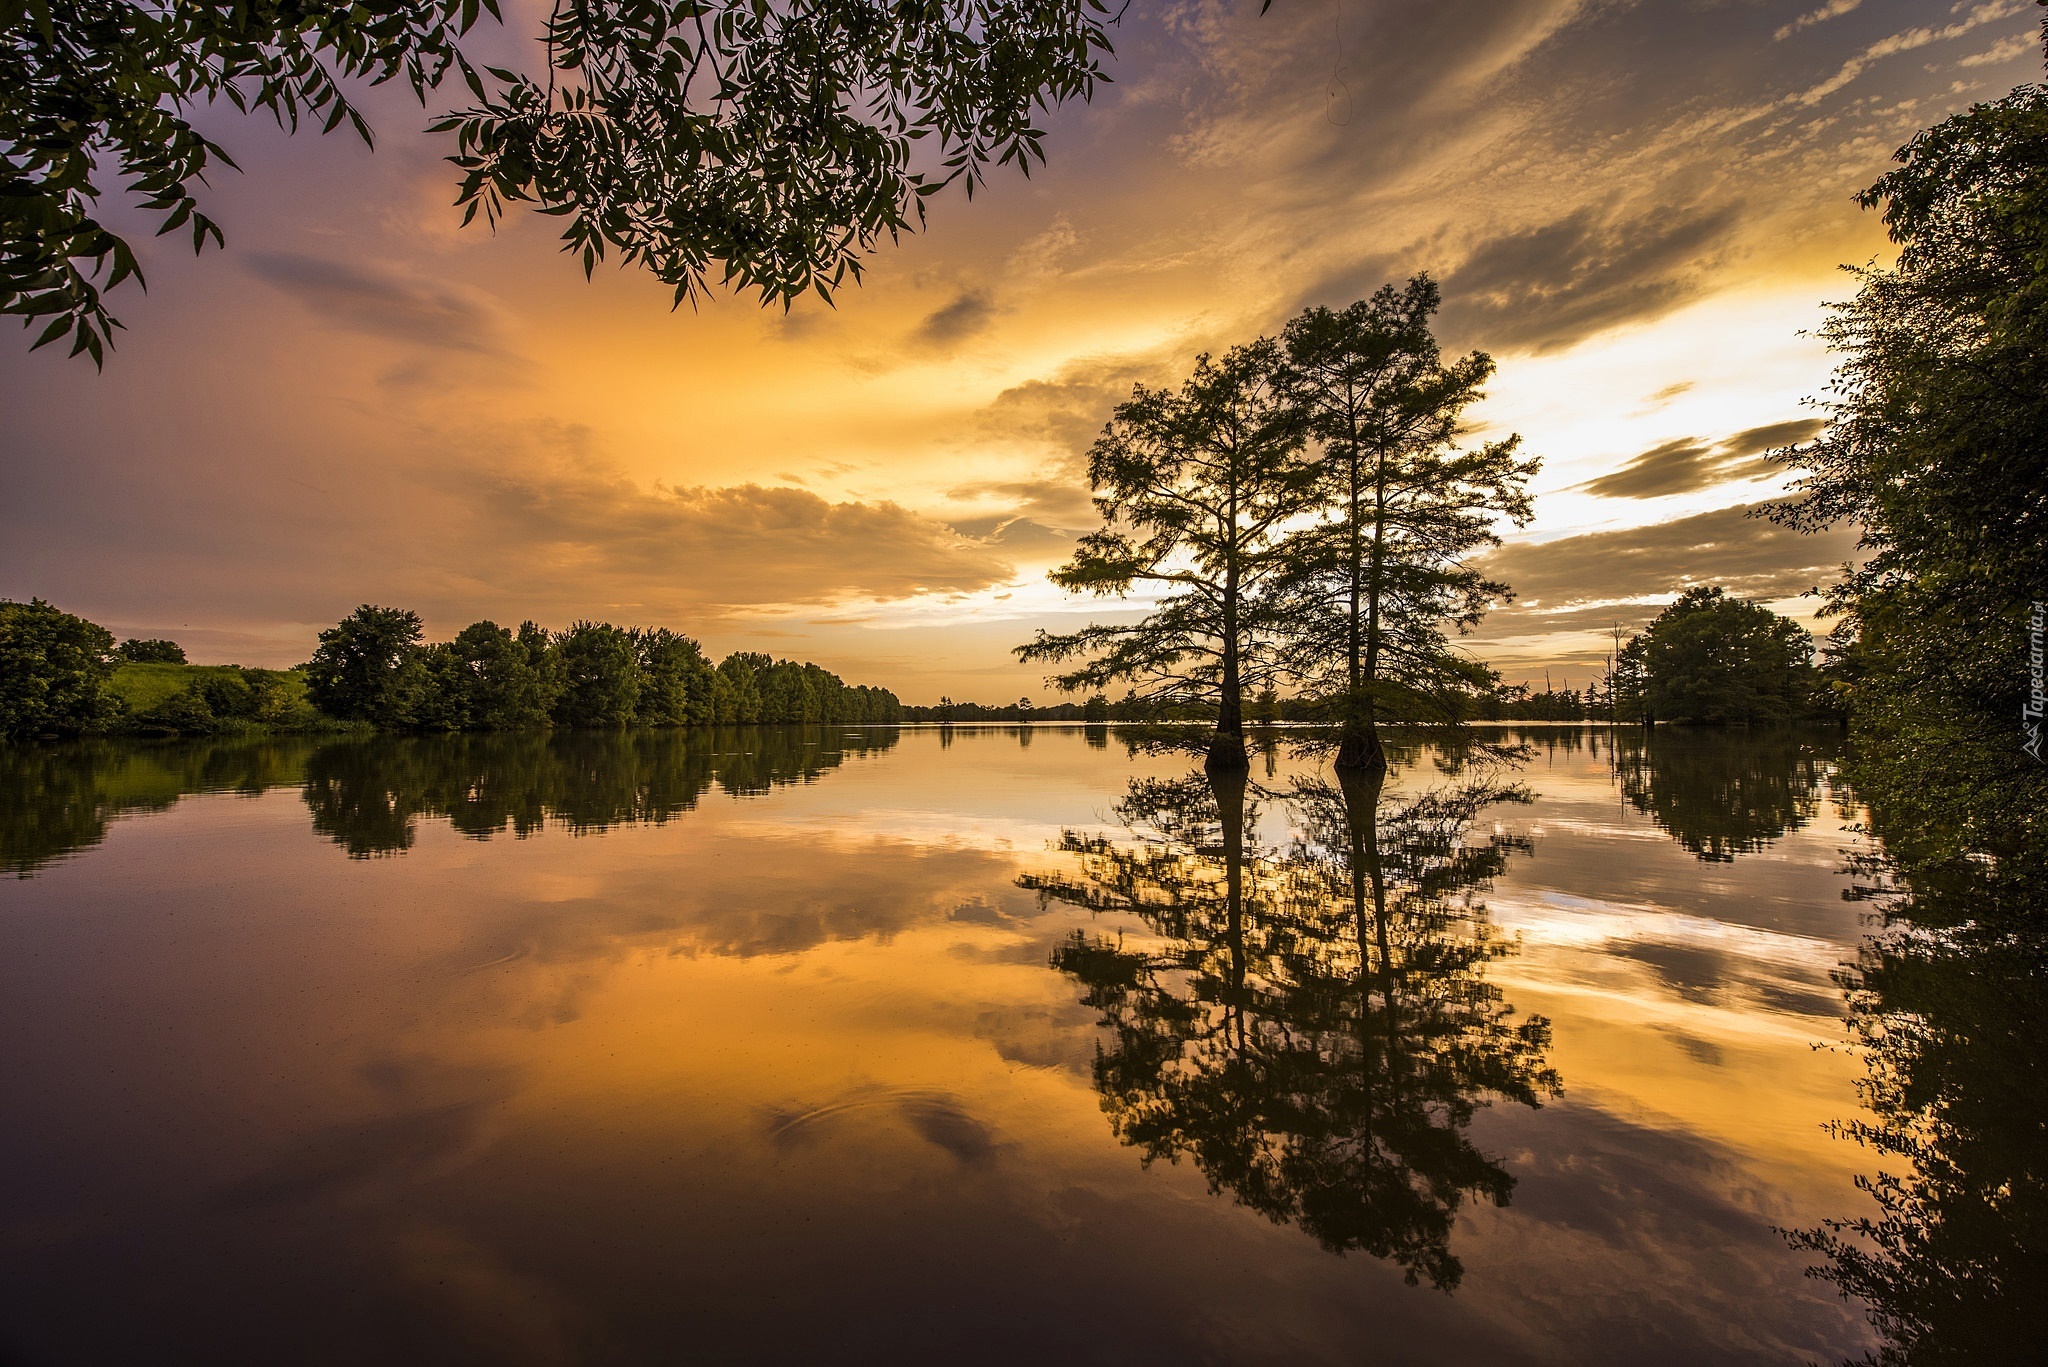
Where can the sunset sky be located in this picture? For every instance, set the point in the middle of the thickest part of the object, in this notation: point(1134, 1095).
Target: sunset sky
point(1635, 207)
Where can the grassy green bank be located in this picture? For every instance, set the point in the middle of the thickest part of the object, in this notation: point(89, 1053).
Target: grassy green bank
point(179, 699)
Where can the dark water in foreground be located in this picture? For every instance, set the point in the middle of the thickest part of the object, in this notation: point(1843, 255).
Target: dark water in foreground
point(995, 1046)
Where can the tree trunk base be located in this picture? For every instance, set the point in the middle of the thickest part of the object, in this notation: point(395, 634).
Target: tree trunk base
point(1360, 752)
point(1227, 755)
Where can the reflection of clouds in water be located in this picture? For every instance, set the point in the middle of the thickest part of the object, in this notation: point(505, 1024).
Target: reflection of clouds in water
point(772, 1045)
point(1591, 945)
point(1618, 1225)
point(430, 1116)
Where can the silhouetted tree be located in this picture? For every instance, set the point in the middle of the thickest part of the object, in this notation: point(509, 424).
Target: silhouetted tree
point(1712, 658)
point(1373, 583)
point(1936, 449)
point(1193, 488)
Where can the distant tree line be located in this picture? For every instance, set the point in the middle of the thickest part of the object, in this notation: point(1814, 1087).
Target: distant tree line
point(63, 675)
point(373, 666)
point(151, 652)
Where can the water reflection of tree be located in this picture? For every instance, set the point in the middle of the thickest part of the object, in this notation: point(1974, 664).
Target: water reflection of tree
point(1312, 1025)
point(1949, 1005)
point(57, 799)
point(1723, 793)
point(368, 796)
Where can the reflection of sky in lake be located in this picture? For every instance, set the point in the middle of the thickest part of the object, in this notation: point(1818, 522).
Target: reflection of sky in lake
point(787, 1077)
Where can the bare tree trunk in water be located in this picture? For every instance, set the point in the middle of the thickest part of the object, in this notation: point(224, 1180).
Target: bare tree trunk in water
point(1369, 911)
point(1229, 787)
point(1226, 749)
point(1359, 750)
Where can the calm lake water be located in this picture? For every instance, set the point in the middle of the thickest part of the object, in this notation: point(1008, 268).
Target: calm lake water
point(993, 1045)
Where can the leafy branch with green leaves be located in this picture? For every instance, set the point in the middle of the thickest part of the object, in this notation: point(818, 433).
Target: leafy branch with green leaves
point(771, 145)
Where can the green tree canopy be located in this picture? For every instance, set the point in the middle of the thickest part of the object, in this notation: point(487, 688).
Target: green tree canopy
point(486, 680)
point(155, 651)
point(1936, 447)
point(1193, 488)
point(767, 146)
point(601, 677)
point(369, 667)
point(54, 669)
point(1712, 658)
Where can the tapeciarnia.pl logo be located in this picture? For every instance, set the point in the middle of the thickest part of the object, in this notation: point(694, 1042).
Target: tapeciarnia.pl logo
point(2037, 696)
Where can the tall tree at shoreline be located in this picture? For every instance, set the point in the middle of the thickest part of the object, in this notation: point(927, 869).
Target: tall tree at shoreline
point(1193, 488)
point(1372, 585)
point(1936, 449)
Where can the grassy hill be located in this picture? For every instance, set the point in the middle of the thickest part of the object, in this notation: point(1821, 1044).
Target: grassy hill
point(143, 687)
point(214, 699)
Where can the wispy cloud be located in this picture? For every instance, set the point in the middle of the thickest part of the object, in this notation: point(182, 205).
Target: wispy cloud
point(2002, 51)
point(386, 302)
point(1908, 41)
point(718, 548)
point(1549, 287)
point(1833, 9)
point(969, 313)
point(1750, 556)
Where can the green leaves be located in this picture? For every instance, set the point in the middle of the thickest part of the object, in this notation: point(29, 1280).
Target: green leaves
point(765, 147)
point(1935, 445)
point(54, 670)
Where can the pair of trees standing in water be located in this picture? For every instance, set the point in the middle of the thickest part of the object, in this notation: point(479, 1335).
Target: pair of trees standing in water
point(1303, 512)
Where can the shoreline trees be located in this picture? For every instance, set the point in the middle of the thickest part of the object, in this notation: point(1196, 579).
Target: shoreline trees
point(1716, 659)
point(54, 669)
point(373, 670)
point(1936, 449)
point(372, 667)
